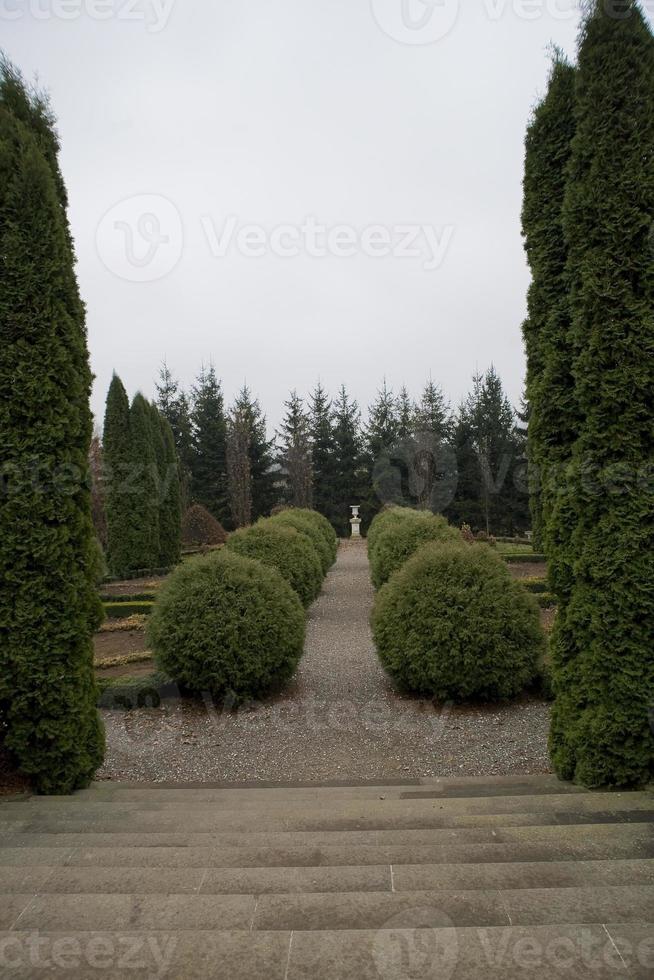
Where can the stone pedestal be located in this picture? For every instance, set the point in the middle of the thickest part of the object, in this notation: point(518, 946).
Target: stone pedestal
point(355, 521)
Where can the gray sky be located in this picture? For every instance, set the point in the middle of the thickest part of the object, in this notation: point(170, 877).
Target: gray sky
point(184, 121)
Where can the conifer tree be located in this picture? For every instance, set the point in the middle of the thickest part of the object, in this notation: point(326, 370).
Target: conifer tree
point(239, 474)
point(432, 414)
point(295, 453)
point(118, 472)
point(380, 438)
point(348, 462)
point(173, 404)
point(168, 491)
point(603, 656)
point(264, 495)
point(209, 453)
point(546, 331)
point(48, 603)
point(144, 486)
point(406, 414)
point(321, 433)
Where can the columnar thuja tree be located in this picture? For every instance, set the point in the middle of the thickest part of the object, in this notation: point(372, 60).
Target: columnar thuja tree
point(603, 651)
point(48, 606)
point(550, 385)
point(117, 469)
point(170, 498)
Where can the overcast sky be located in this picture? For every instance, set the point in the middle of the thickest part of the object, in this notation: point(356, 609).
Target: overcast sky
point(345, 134)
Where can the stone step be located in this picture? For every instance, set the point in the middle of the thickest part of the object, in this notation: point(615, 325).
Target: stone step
point(309, 912)
point(295, 880)
point(637, 844)
point(452, 787)
point(492, 834)
point(575, 952)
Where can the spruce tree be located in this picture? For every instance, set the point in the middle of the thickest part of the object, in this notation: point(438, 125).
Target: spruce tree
point(546, 331)
point(295, 454)
point(144, 486)
point(603, 656)
point(348, 460)
point(209, 440)
point(239, 473)
point(381, 435)
point(264, 494)
point(173, 404)
point(406, 414)
point(118, 474)
point(168, 490)
point(48, 603)
point(321, 433)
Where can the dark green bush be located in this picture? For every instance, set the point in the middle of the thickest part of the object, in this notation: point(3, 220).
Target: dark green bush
point(453, 624)
point(226, 624)
point(295, 518)
point(388, 517)
point(323, 525)
point(402, 539)
point(283, 548)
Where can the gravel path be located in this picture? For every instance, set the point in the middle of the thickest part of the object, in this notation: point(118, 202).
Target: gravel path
point(339, 719)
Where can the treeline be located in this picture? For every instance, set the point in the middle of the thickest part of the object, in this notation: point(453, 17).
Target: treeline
point(467, 463)
point(587, 219)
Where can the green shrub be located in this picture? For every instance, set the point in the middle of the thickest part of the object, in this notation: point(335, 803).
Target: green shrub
point(200, 528)
point(121, 610)
point(283, 548)
point(226, 624)
point(120, 597)
point(323, 525)
point(402, 539)
point(453, 624)
point(295, 518)
point(388, 517)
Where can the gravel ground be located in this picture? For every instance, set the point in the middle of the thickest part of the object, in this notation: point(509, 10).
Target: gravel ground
point(338, 719)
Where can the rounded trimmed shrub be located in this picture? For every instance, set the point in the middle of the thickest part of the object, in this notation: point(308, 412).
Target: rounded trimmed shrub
point(323, 525)
point(388, 517)
point(226, 624)
point(453, 624)
point(283, 548)
point(402, 538)
point(294, 518)
point(200, 528)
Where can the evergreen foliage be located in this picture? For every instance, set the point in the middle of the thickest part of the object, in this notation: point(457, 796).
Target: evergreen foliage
point(262, 474)
point(323, 457)
point(170, 504)
point(401, 538)
point(209, 438)
point(348, 461)
point(452, 624)
point(291, 553)
point(239, 473)
point(48, 603)
point(200, 529)
point(144, 538)
point(293, 517)
point(603, 656)
point(228, 626)
point(295, 453)
point(550, 384)
point(118, 473)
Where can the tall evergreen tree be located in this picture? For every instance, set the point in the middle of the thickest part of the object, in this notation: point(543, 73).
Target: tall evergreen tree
point(48, 603)
point(295, 453)
point(433, 414)
point(385, 471)
point(321, 433)
point(118, 473)
point(98, 506)
point(168, 495)
point(348, 460)
point(173, 403)
point(144, 486)
point(262, 461)
point(239, 473)
point(546, 331)
point(406, 414)
point(209, 459)
point(603, 656)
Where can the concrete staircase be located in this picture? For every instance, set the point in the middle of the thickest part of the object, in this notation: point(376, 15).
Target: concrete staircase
point(454, 878)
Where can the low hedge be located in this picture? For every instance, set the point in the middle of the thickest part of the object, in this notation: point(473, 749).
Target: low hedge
point(283, 548)
point(388, 517)
point(121, 610)
point(129, 597)
point(534, 584)
point(401, 539)
point(520, 556)
point(227, 625)
point(453, 624)
point(298, 520)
